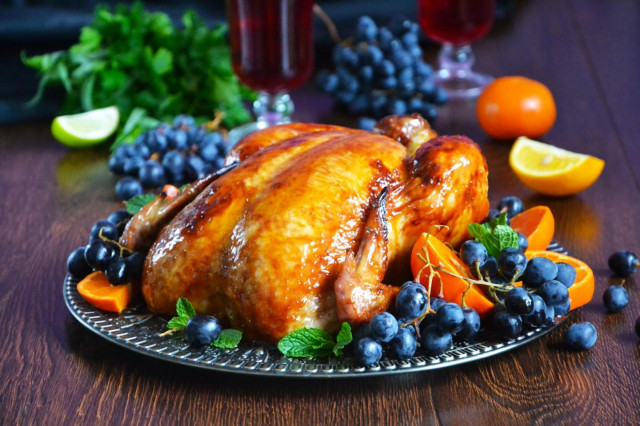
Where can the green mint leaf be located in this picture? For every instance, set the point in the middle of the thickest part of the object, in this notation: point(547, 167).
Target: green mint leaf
point(500, 220)
point(492, 243)
point(478, 231)
point(506, 236)
point(343, 338)
point(176, 323)
point(184, 309)
point(135, 204)
point(228, 339)
point(306, 342)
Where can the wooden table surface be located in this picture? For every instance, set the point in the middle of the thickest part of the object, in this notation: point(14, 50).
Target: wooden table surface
point(54, 371)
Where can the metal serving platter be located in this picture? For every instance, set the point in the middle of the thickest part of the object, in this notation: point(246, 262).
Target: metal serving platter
point(140, 331)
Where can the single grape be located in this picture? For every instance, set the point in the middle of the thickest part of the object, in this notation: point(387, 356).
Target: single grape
point(202, 330)
point(553, 292)
point(99, 254)
point(116, 163)
point(132, 166)
point(439, 97)
point(327, 82)
point(615, 298)
point(136, 265)
point(174, 164)
point(367, 29)
point(549, 314)
point(434, 342)
point(184, 120)
point(118, 271)
point(538, 315)
point(404, 343)
point(562, 308)
point(383, 327)
point(177, 139)
point(385, 68)
point(368, 352)
point(152, 174)
point(128, 187)
point(473, 253)
point(507, 325)
point(437, 303)
point(523, 242)
point(140, 149)
point(493, 214)
point(104, 229)
point(411, 301)
point(157, 141)
point(396, 106)
point(518, 301)
point(450, 318)
point(512, 262)
point(366, 123)
point(511, 205)
point(77, 264)
point(119, 218)
point(623, 263)
point(490, 269)
point(566, 274)
point(539, 270)
point(470, 326)
point(385, 37)
point(581, 336)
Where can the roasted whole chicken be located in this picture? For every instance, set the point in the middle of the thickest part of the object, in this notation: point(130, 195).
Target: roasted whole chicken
point(308, 225)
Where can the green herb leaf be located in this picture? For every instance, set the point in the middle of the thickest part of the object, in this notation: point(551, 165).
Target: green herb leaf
point(506, 236)
point(184, 309)
point(228, 339)
point(495, 236)
point(478, 231)
point(306, 342)
point(135, 204)
point(177, 323)
point(343, 338)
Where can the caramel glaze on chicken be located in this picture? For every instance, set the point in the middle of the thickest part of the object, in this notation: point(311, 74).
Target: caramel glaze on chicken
point(311, 222)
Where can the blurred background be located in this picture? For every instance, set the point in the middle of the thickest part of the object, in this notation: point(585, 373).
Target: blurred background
point(40, 26)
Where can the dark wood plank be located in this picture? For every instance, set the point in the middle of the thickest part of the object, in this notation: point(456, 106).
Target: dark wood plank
point(53, 371)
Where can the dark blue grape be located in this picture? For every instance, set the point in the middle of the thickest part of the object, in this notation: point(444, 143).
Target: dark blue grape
point(538, 315)
point(581, 336)
point(518, 301)
point(184, 120)
point(511, 205)
point(383, 327)
point(512, 262)
point(470, 326)
point(439, 96)
point(136, 264)
point(202, 330)
point(415, 52)
point(615, 298)
point(366, 123)
point(400, 57)
point(429, 112)
point(174, 163)
point(157, 142)
point(409, 39)
point(490, 269)
point(385, 69)
point(77, 264)
point(396, 106)
point(539, 270)
point(99, 254)
point(404, 344)
point(218, 163)
point(132, 166)
point(411, 301)
point(128, 187)
point(507, 325)
point(141, 150)
point(118, 271)
point(196, 135)
point(422, 69)
point(523, 242)
point(553, 292)
point(562, 308)
point(367, 352)
point(623, 263)
point(367, 29)
point(195, 168)
point(426, 87)
point(345, 97)
point(387, 83)
point(152, 174)
point(549, 314)
point(450, 318)
point(372, 55)
point(346, 57)
point(434, 342)
point(437, 303)
point(209, 151)
point(566, 274)
point(104, 228)
point(366, 73)
point(116, 163)
point(361, 104)
point(327, 82)
point(473, 253)
point(378, 105)
point(385, 37)
point(177, 139)
point(406, 88)
point(415, 105)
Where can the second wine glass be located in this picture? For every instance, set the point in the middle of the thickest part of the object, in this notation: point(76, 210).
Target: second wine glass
point(456, 24)
point(272, 53)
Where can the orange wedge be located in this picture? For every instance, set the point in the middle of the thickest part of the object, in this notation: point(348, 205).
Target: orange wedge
point(452, 287)
point(98, 292)
point(581, 292)
point(551, 170)
point(537, 224)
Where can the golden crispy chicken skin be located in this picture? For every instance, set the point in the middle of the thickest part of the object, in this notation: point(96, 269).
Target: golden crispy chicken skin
point(304, 230)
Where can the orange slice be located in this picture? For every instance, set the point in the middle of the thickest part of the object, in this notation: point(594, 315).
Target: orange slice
point(537, 224)
point(551, 170)
point(452, 287)
point(98, 292)
point(581, 292)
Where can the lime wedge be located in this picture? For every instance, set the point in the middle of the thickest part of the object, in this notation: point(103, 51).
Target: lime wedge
point(85, 129)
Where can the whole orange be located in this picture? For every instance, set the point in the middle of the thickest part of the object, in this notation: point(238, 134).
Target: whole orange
point(514, 106)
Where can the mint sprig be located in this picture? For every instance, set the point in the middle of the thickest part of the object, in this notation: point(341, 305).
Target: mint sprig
point(495, 235)
point(313, 342)
point(229, 339)
point(135, 204)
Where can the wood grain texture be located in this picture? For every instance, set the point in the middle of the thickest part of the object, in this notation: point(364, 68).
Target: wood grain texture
point(53, 371)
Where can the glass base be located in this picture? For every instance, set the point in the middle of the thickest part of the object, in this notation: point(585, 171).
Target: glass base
point(462, 84)
point(269, 111)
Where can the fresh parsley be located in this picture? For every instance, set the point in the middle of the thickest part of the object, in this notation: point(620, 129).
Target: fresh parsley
point(313, 342)
point(228, 339)
point(135, 204)
point(495, 235)
point(148, 67)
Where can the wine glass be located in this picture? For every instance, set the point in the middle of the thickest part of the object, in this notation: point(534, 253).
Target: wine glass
point(455, 24)
point(272, 53)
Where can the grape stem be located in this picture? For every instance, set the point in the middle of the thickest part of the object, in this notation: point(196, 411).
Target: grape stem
point(326, 20)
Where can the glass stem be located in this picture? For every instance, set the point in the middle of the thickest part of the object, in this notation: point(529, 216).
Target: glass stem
point(456, 60)
point(273, 109)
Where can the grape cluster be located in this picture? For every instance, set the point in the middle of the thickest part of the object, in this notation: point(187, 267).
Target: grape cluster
point(381, 72)
point(103, 253)
point(175, 154)
point(420, 323)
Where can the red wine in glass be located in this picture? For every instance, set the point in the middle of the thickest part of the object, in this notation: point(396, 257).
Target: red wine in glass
point(456, 24)
point(271, 52)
